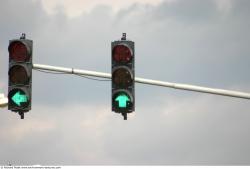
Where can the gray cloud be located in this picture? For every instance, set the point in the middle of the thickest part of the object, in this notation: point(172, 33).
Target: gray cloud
point(184, 41)
point(187, 12)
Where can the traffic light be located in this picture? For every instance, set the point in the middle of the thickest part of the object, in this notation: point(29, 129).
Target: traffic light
point(20, 75)
point(123, 57)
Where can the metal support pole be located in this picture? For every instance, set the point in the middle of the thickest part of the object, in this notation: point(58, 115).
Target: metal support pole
point(147, 81)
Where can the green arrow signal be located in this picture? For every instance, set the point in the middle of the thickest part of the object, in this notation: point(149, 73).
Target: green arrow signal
point(122, 100)
point(18, 98)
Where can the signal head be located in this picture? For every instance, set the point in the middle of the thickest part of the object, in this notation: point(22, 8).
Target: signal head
point(20, 75)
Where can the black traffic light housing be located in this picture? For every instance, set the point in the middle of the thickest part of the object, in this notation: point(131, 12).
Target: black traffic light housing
point(20, 75)
point(123, 75)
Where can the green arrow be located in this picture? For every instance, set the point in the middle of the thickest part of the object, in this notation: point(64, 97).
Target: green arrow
point(18, 98)
point(122, 99)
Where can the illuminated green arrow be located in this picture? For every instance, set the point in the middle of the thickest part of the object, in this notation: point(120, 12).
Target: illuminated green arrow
point(18, 98)
point(122, 99)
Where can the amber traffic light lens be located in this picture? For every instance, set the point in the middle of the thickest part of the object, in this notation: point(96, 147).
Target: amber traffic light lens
point(122, 77)
point(18, 75)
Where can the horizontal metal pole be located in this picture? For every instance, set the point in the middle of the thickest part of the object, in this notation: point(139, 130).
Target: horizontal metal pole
point(71, 71)
point(147, 81)
point(195, 88)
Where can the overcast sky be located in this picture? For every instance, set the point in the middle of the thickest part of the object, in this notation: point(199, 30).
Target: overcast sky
point(196, 42)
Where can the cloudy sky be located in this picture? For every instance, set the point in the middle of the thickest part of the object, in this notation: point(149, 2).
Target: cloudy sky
point(196, 42)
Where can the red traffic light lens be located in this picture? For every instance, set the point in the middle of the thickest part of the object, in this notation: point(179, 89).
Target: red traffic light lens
point(122, 77)
point(122, 53)
point(18, 75)
point(18, 51)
